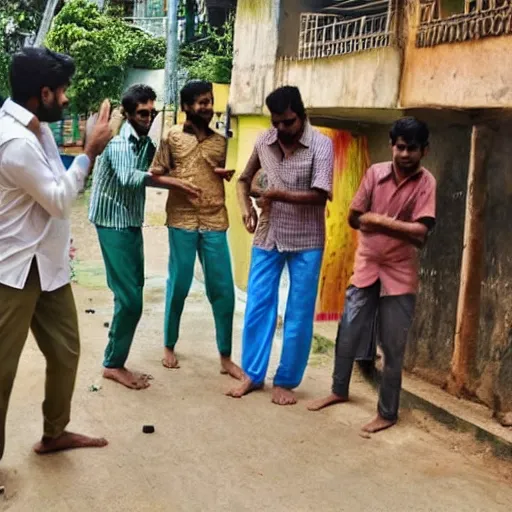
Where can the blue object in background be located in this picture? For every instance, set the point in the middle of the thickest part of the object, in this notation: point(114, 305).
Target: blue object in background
point(67, 160)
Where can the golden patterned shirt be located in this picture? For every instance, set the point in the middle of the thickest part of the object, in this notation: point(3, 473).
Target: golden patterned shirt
point(183, 156)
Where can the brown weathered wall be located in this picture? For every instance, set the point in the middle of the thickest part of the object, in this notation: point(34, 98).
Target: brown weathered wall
point(493, 372)
point(471, 74)
point(430, 351)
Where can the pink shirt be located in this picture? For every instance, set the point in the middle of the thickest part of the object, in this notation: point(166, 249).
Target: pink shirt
point(380, 257)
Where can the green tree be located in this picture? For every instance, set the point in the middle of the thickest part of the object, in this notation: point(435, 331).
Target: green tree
point(210, 55)
point(103, 47)
point(18, 19)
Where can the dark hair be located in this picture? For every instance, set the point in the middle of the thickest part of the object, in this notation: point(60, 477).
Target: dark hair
point(193, 90)
point(411, 130)
point(32, 69)
point(284, 98)
point(135, 95)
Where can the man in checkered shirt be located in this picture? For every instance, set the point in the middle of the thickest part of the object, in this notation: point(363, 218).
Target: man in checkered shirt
point(296, 163)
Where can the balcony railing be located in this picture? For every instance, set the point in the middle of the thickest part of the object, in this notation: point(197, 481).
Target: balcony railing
point(488, 19)
point(324, 35)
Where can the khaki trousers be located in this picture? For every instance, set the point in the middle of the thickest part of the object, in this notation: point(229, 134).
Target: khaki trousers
point(52, 317)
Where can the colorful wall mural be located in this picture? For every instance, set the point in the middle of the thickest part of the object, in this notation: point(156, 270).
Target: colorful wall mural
point(351, 161)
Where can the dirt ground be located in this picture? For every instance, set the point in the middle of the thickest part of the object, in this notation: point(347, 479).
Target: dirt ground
point(212, 453)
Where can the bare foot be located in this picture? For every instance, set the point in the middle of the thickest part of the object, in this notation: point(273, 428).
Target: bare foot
point(227, 367)
point(170, 360)
point(143, 376)
point(245, 388)
point(68, 441)
point(377, 425)
point(126, 378)
point(283, 396)
point(320, 403)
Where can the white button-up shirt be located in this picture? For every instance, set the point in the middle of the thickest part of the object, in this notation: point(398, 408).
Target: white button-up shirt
point(36, 196)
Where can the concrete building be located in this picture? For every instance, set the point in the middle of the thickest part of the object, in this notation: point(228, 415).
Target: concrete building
point(361, 64)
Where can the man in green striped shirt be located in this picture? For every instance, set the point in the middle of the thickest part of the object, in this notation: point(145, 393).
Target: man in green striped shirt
point(117, 210)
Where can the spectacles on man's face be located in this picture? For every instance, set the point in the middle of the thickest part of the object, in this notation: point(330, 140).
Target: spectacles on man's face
point(146, 113)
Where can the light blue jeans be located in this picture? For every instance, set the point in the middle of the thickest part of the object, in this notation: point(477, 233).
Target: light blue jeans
point(262, 309)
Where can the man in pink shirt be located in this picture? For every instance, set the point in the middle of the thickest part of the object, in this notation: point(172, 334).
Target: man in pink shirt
point(394, 210)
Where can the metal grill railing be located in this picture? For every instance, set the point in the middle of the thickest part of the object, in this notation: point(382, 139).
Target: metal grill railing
point(324, 35)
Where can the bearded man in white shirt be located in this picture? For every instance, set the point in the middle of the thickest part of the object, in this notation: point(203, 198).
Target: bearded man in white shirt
point(36, 196)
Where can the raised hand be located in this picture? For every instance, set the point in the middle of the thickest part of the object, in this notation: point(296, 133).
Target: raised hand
point(101, 134)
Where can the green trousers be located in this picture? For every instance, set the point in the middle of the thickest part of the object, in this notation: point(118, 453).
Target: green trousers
point(53, 320)
point(212, 249)
point(123, 254)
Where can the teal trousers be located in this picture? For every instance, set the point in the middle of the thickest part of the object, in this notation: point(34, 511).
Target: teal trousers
point(123, 254)
point(212, 249)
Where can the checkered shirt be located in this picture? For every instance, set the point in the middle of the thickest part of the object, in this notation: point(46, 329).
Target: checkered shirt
point(294, 227)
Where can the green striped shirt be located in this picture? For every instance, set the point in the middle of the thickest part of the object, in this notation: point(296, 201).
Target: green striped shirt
point(119, 181)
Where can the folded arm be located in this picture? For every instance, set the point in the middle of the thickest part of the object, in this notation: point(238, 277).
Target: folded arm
point(412, 232)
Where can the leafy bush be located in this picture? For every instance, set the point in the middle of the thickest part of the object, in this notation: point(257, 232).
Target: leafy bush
point(103, 47)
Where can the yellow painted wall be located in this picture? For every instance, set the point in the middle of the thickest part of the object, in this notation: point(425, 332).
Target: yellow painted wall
point(221, 97)
point(245, 132)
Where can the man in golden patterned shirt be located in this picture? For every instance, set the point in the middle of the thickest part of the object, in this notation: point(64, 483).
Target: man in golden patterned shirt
point(196, 154)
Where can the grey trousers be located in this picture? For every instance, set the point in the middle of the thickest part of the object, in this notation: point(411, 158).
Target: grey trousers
point(367, 314)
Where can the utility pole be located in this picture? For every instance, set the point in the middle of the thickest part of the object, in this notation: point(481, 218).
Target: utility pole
point(46, 22)
point(171, 58)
